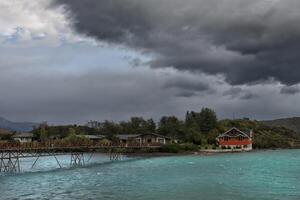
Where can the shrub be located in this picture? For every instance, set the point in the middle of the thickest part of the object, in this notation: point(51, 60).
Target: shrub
point(170, 148)
point(104, 142)
point(189, 147)
point(177, 148)
point(149, 150)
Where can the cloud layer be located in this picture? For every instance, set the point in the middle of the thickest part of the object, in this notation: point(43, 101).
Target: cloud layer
point(245, 41)
point(74, 60)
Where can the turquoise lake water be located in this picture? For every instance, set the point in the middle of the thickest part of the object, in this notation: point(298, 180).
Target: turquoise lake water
point(257, 175)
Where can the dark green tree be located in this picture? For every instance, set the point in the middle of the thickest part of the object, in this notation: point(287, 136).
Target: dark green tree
point(110, 129)
point(207, 120)
point(138, 125)
point(150, 126)
point(43, 134)
point(171, 126)
point(192, 120)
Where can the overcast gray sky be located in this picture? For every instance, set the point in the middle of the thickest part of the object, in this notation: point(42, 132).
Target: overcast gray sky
point(69, 61)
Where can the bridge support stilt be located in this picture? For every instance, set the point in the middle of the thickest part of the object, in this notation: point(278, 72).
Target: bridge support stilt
point(77, 159)
point(90, 157)
point(9, 162)
point(35, 161)
point(114, 155)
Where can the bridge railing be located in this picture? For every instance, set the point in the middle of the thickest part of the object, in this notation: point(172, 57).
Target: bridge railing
point(61, 144)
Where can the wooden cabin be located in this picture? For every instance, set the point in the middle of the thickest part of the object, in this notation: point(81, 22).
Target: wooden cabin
point(235, 139)
point(24, 137)
point(146, 139)
point(94, 138)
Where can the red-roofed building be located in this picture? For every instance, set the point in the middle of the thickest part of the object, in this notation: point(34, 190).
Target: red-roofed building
point(235, 138)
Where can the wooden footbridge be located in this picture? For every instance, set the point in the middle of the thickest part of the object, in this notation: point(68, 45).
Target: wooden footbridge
point(10, 155)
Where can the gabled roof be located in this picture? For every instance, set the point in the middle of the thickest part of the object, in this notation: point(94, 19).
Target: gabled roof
point(128, 136)
point(236, 133)
point(23, 135)
point(157, 135)
point(94, 137)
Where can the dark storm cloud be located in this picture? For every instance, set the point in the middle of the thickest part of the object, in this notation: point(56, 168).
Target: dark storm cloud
point(290, 90)
point(237, 92)
point(186, 84)
point(246, 41)
point(249, 96)
point(233, 92)
point(186, 94)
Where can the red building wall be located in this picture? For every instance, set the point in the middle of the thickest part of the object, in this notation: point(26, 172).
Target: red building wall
point(234, 141)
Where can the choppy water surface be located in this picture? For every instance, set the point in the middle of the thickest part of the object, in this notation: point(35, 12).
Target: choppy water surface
point(257, 175)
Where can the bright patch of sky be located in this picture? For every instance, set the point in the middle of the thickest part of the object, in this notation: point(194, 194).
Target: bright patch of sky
point(36, 37)
point(69, 58)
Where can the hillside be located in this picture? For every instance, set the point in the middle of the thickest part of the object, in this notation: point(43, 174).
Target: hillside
point(16, 126)
point(290, 123)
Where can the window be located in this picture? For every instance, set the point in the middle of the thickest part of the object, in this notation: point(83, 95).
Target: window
point(161, 140)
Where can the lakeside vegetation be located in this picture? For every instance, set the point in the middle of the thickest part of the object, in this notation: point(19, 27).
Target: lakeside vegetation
point(197, 130)
point(5, 134)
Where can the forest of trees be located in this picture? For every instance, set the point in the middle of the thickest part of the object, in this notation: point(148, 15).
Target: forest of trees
point(199, 128)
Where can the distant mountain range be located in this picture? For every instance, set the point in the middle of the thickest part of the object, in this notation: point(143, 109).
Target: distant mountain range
point(16, 126)
point(290, 123)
